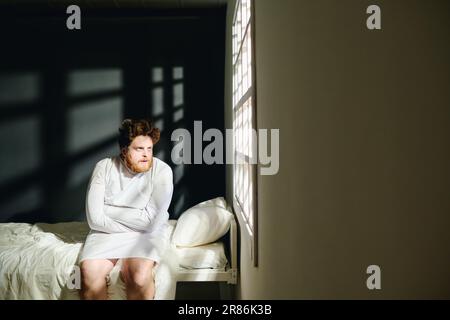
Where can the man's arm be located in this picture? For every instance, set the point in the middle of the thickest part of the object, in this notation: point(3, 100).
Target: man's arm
point(143, 220)
point(96, 217)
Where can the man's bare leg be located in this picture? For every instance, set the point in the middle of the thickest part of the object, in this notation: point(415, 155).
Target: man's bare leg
point(138, 276)
point(93, 278)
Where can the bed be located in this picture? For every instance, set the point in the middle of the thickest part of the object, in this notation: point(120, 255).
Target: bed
point(40, 261)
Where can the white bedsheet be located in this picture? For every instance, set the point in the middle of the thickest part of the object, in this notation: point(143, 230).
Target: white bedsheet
point(36, 262)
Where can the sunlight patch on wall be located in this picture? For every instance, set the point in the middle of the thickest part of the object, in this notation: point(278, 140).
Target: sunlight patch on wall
point(178, 173)
point(81, 171)
point(81, 82)
point(157, 74)
point(21, 147)
point(177, 73)
point(19, 88)
point(157, 101)
point(89, 123)
point(178, 98)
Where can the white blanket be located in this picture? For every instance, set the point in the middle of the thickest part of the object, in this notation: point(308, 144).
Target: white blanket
point(39, 261)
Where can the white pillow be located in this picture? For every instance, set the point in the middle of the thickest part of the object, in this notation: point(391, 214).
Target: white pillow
point(204, 223)
point(210, 256)
point(217, 202)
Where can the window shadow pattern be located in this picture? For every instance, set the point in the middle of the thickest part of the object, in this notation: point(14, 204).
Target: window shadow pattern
point(63, 95)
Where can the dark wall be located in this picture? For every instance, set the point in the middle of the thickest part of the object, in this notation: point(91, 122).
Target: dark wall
point(64, 93)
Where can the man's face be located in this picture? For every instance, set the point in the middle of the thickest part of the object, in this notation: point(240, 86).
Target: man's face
point(139, 155)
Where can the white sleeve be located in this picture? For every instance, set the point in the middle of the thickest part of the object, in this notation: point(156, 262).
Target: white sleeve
point(95, 199)
point(157, 206)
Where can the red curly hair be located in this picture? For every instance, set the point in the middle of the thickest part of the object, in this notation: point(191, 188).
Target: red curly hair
point(131, 128)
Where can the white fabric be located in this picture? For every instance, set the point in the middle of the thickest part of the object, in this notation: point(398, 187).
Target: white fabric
point(127, 211)
point(36, 262)
point(204, 223)
point(216, 202)
point(210, 256)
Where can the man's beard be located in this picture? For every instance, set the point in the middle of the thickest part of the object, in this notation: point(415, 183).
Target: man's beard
point(135, 168)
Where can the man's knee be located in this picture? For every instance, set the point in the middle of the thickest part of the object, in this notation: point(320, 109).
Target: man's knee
point(94, 272)
point(138, 275)
point(140, 278)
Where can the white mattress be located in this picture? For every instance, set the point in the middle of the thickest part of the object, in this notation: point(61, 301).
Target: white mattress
point(37, 260)
point(209, 256)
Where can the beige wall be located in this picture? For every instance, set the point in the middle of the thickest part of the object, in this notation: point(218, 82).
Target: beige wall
point(364, 119)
